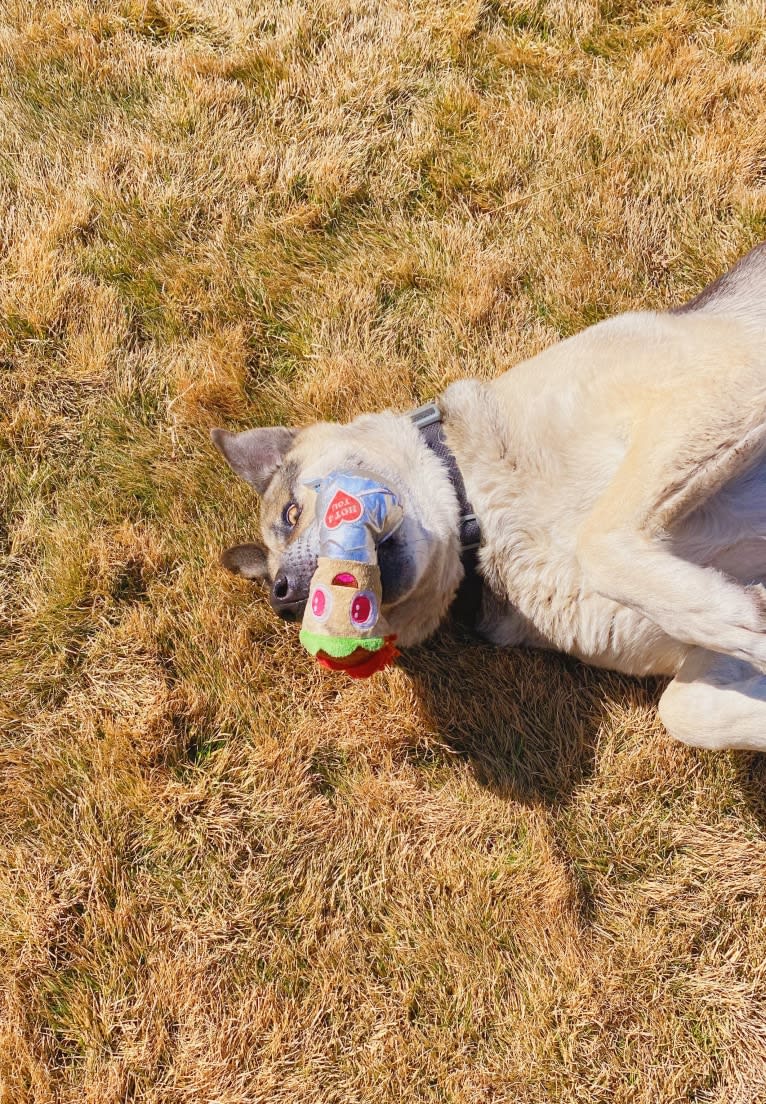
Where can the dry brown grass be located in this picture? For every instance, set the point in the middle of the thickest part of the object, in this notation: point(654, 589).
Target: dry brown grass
point(226, 876)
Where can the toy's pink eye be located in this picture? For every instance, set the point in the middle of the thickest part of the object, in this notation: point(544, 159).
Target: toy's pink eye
point(360, 608)
point(364, 609)
point(320, 603)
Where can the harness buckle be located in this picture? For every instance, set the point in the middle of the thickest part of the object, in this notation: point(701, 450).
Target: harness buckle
point(426, 415)
point(467, 520)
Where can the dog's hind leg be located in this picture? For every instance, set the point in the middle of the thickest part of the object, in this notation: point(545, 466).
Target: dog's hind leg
point(716, 702)
point(682, 454)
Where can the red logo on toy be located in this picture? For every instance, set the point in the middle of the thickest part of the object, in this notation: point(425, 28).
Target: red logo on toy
point(344, 507)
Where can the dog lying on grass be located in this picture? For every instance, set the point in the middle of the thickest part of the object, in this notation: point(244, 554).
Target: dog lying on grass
point(619, 482)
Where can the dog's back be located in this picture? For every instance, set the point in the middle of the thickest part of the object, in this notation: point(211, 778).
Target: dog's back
point(740, 293)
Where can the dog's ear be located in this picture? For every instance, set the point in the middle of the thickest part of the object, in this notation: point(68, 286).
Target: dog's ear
point(247, 560)
point(254, 454)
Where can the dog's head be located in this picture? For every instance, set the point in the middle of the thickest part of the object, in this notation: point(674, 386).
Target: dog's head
point(419, 564)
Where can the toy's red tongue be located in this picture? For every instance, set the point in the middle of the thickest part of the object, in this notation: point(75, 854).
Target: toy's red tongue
point(361, 663)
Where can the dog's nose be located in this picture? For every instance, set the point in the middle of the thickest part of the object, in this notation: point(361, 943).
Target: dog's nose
point(288, 598)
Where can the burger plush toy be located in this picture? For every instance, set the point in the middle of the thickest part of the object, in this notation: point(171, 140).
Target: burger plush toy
point(342, 625)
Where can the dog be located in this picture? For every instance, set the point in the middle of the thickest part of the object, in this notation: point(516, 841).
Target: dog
point(619, 482)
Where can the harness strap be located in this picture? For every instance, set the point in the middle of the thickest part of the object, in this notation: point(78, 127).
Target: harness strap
point(467, 604)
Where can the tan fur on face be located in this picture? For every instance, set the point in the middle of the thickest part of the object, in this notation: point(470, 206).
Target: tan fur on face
point(389, 447)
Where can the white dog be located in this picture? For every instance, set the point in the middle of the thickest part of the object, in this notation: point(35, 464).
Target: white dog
point(619, 483)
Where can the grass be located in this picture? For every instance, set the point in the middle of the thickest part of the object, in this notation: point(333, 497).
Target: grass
point(226, 876)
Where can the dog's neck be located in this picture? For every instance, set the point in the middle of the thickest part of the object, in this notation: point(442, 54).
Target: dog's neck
point(428, 419)
point(466, 606)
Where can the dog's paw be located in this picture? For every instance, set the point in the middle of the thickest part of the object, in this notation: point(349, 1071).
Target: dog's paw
point(757, 595)
point(735, 625)
point(756, 649)
point(744, 634)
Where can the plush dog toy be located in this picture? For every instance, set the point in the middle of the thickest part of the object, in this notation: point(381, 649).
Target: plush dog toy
point(342, 625)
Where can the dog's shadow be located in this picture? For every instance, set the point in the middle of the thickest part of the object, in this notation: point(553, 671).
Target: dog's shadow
point(750, 771)
point(527, 721)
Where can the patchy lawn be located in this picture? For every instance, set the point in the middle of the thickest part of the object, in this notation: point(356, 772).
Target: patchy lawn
point(227, 876)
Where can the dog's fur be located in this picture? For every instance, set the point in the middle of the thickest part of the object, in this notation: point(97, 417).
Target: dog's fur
point(619, 478)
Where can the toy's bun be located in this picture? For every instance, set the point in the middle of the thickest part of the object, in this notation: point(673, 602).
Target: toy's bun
point(361, 663)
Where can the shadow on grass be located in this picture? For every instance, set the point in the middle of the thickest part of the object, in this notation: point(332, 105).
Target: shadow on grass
point(527, 721)
point(750, 768)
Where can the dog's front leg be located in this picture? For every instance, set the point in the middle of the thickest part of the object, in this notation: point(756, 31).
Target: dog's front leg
point(716, 702)
point(626, 549)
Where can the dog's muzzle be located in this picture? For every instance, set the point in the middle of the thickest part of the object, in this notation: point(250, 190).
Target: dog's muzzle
point(288, 598)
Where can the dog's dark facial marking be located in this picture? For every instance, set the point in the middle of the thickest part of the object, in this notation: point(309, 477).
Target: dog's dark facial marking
point(290, 474)
point(283, 495)
point(297, 566)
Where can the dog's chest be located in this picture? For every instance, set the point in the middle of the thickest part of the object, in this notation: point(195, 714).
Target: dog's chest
point(540, 595)
point(545, 456)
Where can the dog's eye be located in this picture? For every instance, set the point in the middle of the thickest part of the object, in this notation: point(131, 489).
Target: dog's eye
point(290, 514)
